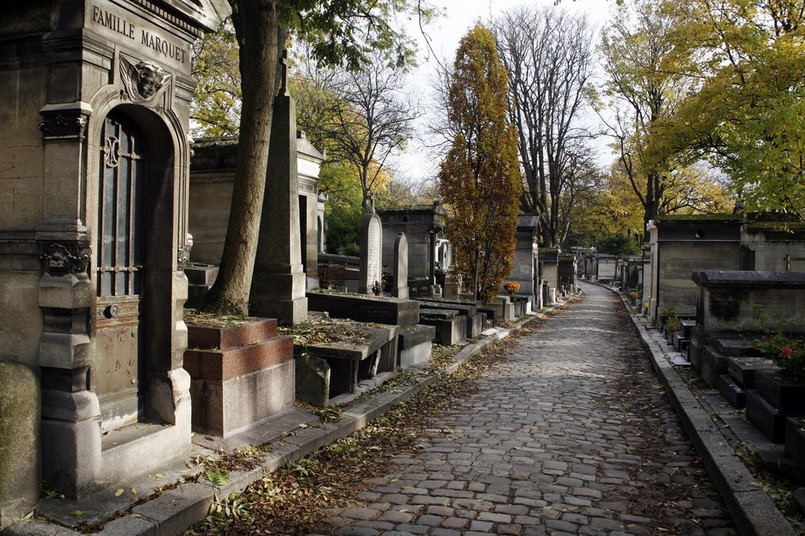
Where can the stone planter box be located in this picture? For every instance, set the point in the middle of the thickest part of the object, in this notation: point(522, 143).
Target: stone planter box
point(415, 345)
point(451, 328)
point(240, 375)
point(475, 319)
point(740, 377)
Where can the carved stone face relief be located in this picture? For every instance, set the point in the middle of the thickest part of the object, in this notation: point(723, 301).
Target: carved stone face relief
point(143, 80)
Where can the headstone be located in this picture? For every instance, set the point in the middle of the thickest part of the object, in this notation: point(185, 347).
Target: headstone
point(400, 267)
point(278, 285)
point(19, 441)
point(371, 254)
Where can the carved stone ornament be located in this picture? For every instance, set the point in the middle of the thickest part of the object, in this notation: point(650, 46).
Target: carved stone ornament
point(62, 259)
point(184, 257)
point(144, 81)
point(63, 124)
point(184, 253)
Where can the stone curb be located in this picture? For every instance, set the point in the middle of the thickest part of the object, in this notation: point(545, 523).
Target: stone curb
point(752, 511)
point(176, 510)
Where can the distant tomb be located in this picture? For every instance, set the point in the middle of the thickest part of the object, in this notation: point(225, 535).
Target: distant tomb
point(212, 171)
point(429, 255)
point(525, 270)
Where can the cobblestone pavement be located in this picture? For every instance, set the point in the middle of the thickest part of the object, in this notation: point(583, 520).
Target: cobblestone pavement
point(571, 435)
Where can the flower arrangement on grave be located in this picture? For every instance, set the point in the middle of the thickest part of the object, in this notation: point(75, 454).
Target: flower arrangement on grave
point(511, 287)
point(633, 294)
point(787, 353)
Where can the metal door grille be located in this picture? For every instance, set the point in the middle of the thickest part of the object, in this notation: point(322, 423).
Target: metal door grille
point(119, 269)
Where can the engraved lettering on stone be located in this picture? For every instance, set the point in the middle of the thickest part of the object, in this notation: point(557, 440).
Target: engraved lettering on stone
point(163, 46)
point(115, 23)
point(373, 252)
point(120, 25)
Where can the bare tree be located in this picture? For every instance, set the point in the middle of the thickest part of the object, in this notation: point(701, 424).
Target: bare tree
point(368, 120)
point(548, 55)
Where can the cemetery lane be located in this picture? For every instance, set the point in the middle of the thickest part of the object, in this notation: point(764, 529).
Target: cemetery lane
point(572, 434)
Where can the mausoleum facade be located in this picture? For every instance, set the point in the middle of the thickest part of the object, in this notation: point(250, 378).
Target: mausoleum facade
point(93, 230)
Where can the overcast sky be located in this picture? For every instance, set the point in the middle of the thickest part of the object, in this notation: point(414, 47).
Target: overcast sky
point(445, 33)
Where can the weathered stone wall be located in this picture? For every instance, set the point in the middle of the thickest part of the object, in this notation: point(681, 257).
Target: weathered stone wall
point(678, 246)
point(679, 260)
point(750, 301)
point(775, 246)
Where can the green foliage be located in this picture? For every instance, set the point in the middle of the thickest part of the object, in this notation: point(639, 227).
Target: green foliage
point(619, 244)
point(215, 110)
point(218, 477)
point(224, 512)
point(343, 212)
point(345, 32)
point(644, 84)
point(746, 115)
point(479, 177)
point(787, 353)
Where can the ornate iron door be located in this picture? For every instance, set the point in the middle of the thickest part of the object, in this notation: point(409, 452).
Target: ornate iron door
point(118, 371)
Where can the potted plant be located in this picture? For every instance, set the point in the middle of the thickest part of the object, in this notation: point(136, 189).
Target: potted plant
point(787, 353)
point(512, 287)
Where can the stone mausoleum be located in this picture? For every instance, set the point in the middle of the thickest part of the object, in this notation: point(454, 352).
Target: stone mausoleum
point(212, 174)
point(429, 254)
point(93, 226)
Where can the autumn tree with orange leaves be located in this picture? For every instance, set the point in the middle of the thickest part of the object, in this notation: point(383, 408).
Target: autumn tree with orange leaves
point(479, 179)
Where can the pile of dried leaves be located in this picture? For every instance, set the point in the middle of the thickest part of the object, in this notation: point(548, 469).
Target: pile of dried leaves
point(328, 330)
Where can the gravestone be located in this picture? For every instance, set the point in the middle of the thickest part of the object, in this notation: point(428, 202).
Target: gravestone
point(19, 441)
point(400, 267)
point(371, 272)
point(278, 285)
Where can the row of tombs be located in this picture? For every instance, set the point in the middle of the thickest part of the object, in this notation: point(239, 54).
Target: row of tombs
point(728, 295)
point(102, 379)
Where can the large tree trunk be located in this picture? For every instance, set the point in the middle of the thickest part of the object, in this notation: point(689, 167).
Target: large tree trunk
point(258, 35)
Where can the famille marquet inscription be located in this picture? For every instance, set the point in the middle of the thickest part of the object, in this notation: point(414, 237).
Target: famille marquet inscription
point(117, 21)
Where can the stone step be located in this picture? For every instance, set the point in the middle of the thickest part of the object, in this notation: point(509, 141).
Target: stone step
point(731, 391)
point(742, 369)
point(765, 417)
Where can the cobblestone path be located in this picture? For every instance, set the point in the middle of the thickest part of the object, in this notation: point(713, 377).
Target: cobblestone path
point(571, 435)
